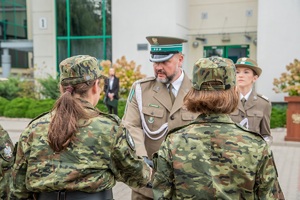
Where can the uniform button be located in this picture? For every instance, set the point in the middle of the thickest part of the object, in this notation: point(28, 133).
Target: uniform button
point(172, 117)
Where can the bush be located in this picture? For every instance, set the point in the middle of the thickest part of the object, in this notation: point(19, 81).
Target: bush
point(38, 107)
point(49, 88)
point(9, 89)
point(289, 81)
point(17, 107)
point(127, 72)
point(3, 103)
point(278, 115)
point(121, 107)
point(30, 108)
point(27, 89)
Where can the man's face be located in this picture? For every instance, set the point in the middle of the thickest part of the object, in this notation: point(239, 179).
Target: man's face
point(168, 71)
point(111, 71)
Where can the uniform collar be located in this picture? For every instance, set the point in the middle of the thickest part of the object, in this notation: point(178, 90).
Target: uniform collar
point(213, 118)
point(246, 96)
point(177, 83)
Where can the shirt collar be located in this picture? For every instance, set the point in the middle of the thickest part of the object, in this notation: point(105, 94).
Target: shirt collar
point(177, 83)
point(246, 96)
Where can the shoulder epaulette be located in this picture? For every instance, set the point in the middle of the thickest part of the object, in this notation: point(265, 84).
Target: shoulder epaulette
point(146, 79)
point(180, 127)
point(39, 116)
point(244, 129)
point(113, 117)
point(263, 97)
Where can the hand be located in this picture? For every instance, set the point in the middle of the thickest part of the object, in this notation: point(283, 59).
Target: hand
point(148, 161)
point(111, 96)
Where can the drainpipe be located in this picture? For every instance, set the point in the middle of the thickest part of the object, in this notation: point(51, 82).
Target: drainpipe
point(6, 63)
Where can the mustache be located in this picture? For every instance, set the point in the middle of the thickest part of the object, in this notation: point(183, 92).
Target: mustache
point(160, 71)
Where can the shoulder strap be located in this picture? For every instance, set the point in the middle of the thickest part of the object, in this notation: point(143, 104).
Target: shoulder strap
point(39, 116)
point(244, 129)
point(113, 117)
point(263, 97)
point(163, 129)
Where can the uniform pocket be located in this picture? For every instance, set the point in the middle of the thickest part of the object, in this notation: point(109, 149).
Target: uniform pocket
point(255, 113)
point(254, 117)
point(154, 117)
point(188, 116)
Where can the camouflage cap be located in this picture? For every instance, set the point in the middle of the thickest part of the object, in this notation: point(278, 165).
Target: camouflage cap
point(214, 69)
point(79, 69)
point(248, 63)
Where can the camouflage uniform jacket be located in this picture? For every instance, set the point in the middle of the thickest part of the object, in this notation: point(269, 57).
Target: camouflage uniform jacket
point(6, 161)
point(102, 154)
point(213, 158)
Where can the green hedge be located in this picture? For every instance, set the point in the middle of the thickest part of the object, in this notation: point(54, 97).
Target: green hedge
point(17, 107)
point(278, 115)
point(30, 108)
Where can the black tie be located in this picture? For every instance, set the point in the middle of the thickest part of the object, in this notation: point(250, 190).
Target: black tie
point(171, 93)
point(243, 101)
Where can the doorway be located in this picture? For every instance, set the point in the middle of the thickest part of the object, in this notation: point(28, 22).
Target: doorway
point(233, 52)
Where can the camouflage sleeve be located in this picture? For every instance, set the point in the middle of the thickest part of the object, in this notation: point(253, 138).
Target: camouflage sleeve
point(163, 186)
point(126, 165)
point(267, 178)
point(6, 162)
point(132, 122)
point(18, 184)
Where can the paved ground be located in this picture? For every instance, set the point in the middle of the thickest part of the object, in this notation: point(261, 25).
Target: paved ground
point(286, 154)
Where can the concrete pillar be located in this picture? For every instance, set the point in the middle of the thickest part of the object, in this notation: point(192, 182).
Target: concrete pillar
point(6, 63)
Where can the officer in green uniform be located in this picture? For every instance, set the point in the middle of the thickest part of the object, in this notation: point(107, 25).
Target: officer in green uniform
point(155, 104)
point(213, 157)
point(76, 151)
point(6, 162)
point(253, 110)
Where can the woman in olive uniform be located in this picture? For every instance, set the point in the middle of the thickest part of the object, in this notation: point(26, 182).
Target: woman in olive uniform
point(256, 111)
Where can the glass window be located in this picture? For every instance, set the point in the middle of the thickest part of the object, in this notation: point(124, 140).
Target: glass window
point(92, 47)
point(13, 19)
point(83, 27)
point(61, 18)
point(13, 25)
point(85, 18)
point(62, 50)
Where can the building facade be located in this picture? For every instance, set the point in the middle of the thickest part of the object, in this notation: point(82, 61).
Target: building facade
point(109, 29)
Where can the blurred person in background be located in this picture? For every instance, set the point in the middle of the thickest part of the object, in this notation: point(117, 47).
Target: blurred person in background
point(111, 89)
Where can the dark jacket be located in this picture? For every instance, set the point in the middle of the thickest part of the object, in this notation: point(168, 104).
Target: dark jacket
point(115, 88)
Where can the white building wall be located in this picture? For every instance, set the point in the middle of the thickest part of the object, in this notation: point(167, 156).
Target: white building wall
point(210, 19)
point(133, 20)
point(278, 41)
point(44, 42)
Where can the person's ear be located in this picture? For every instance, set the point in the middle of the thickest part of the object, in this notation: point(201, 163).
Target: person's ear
point(255, 78)
point(96, 87)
